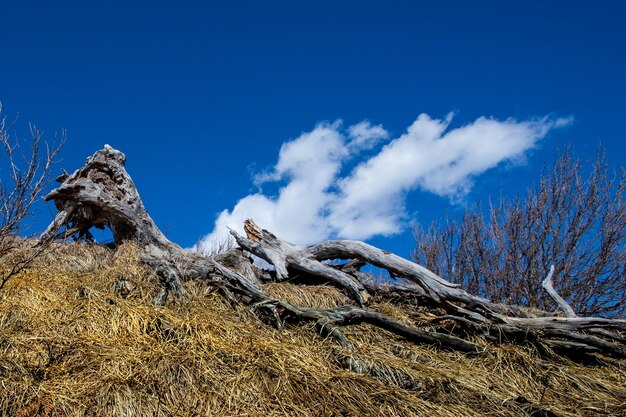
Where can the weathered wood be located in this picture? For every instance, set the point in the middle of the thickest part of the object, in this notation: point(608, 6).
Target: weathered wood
point(265, 245)
point(101, 193)
point(474, 314)
point(59, 221)
point(327, 320)
point(548, 286)
point(283, 256)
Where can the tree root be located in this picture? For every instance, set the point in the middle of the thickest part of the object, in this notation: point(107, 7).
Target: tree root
point(101, 193)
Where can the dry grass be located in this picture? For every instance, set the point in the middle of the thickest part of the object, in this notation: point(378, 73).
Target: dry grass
point(69, 346)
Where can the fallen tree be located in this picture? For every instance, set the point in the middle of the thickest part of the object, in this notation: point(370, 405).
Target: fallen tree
point(101, 193)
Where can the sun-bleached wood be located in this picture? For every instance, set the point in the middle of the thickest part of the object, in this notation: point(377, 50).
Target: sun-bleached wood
point(101, 193)
point(548, 285)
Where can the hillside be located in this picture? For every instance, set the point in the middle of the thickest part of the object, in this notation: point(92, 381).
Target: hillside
point(74, 342)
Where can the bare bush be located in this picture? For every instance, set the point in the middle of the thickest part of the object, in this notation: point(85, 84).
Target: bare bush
point(24, 174)
point(575, 219)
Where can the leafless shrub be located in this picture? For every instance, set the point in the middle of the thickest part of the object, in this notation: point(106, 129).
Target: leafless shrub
point(24, 175)
point(575, 219)
point(220, 246)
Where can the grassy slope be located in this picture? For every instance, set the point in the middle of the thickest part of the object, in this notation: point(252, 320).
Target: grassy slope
point(70, 346)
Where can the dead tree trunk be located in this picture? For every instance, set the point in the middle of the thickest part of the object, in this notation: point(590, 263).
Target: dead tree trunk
point(101, 193)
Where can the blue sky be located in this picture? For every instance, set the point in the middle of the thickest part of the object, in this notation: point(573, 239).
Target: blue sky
point(202, 95)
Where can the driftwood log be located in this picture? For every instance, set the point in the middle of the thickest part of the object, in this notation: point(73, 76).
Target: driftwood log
point(101, 193)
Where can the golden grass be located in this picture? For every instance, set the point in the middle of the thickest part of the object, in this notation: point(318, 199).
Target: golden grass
point(69, 346)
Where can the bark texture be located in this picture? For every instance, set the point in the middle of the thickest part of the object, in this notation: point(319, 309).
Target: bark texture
point(101, 193)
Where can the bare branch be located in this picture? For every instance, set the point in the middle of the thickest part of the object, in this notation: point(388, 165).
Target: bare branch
point(28, 174)
point(547, 285)
point(575, 218)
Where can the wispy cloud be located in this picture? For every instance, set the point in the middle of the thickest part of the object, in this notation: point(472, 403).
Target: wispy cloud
point(317, 201)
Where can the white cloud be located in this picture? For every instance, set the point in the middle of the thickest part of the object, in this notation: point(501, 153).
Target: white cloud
point(365, 136)
point(316, 202)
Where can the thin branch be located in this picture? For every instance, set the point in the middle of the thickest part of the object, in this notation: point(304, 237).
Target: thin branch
point(547, 285)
